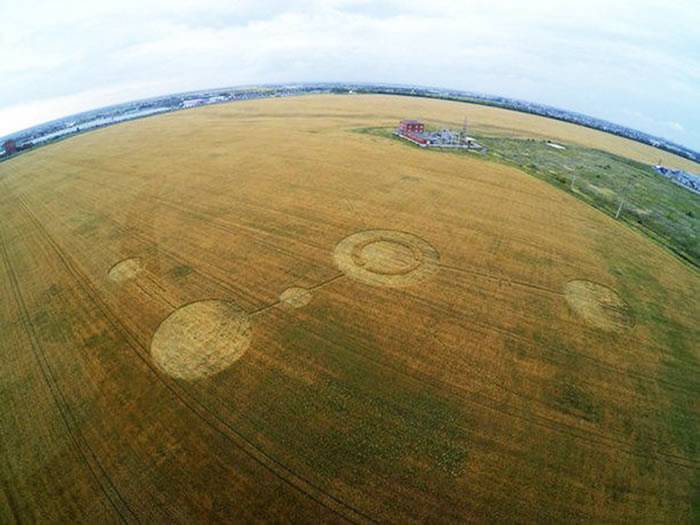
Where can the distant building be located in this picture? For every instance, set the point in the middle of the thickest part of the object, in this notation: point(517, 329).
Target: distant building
point(689, 181)
point(10, 147)
point(414, 131)
point(407, 127)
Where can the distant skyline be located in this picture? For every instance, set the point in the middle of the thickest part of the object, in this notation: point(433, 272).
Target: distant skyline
point(632, 63)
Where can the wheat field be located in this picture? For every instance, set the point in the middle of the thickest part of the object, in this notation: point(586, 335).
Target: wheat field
point(252, 312)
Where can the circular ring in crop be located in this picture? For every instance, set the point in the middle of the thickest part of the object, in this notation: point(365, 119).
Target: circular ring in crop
point(386, 258)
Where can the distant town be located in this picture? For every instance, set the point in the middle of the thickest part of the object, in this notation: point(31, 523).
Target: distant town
point(61, 128)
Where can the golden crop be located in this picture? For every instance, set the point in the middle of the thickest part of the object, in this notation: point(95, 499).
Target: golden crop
point(252, 312)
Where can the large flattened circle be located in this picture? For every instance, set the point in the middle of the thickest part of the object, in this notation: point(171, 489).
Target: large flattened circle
point(598, 305)
point(386, 258)
point(201, 339)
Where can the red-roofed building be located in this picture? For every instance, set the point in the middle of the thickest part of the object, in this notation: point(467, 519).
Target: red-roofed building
point(10, 147)
point(408, 127)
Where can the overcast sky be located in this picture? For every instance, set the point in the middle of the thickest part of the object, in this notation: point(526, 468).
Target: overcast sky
point(635, 62)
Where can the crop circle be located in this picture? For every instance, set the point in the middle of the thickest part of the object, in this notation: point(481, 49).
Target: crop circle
point(386, 258)
point(295, 297)
point(125, 270)
point(201, 339)
point(598, 305)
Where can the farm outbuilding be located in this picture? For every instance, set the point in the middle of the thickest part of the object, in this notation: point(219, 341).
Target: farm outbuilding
point(411, 126)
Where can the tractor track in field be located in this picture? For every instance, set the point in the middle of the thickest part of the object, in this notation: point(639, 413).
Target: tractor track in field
point(475, 398)
point(310, 289)
point(143, 237)
point(257, 234)
point(583, 326)
point(239, 200)
point(479, 394)
point(154, 295)
point(482, 329)
point(235, 229)
point(501, 279)
point(540, 420)
point(468, 271)
point(452, 314)
point(511, 335)
point(278, 469)
point(137, 233)
point(80, 443)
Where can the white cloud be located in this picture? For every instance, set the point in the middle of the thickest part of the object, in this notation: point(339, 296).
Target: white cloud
point(675, 126)
point(598, 56)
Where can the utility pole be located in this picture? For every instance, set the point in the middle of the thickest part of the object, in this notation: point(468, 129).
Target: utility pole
point(619, 208)
point(623, 193)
